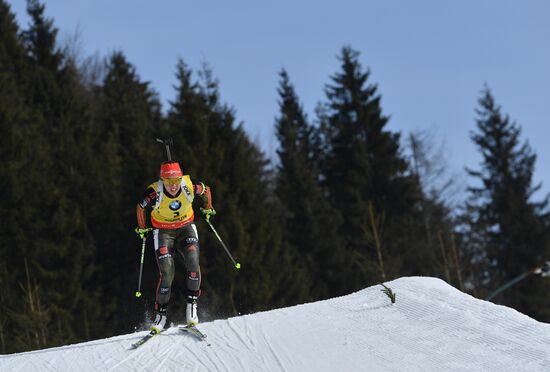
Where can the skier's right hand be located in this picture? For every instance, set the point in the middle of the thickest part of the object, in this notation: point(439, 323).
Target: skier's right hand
point(142, 232)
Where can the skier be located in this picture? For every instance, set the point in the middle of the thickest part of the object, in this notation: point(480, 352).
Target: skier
point(170, 201)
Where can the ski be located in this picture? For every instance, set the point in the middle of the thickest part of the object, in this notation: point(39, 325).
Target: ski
point(194, 331)
point(145, 338)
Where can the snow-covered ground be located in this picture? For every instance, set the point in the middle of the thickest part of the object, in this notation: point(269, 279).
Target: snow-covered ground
point(431, 327)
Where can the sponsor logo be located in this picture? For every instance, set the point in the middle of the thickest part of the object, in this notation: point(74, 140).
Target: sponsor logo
point(165, 256)
point(193, 276)
point(186, 189)
point(191, 240)
point(164, 290)
point(175, 205)
point(163, 250)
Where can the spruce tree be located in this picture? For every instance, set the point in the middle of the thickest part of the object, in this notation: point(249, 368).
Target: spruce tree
point(14, 126)
point(366, 175)
point(54, 264)
point(214, 150)
point(307, 219)
point(127, 116)
point(508, 227)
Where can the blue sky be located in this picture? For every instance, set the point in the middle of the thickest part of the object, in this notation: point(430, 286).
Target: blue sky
point(429, 58)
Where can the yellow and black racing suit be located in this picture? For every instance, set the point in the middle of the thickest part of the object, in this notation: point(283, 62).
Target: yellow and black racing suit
point(174, 231)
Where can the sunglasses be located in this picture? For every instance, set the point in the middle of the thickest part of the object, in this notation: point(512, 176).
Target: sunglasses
point(172, 181)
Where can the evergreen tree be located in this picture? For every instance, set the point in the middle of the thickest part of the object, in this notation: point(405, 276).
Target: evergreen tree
point(366, 175)
point(509, 229)
point(127, 116)
point(14, 126)
point(214, 150)
point(307, 219)
point(53, 266)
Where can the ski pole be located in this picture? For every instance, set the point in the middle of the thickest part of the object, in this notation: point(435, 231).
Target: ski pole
point(143, 240)
point(536, 270)
point(235, 263)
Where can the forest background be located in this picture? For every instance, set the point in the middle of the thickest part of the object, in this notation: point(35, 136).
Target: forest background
point(347, 204)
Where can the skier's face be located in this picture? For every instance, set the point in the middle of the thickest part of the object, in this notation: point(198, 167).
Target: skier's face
point(172, 185)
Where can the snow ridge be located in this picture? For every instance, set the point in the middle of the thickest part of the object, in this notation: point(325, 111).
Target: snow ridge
point(431, 327)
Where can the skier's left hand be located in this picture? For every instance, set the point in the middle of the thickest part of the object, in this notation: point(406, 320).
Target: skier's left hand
point(207, 213)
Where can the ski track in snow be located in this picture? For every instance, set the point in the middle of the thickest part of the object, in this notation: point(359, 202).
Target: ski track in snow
point(432, 327)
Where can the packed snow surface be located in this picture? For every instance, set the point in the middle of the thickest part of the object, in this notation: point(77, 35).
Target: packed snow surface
point(431, 327)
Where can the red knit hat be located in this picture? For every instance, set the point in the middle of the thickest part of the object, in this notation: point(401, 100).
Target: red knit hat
point(170, 169)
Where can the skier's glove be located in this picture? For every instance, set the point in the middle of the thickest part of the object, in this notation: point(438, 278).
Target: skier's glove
point(207, 213)
point(143, 232)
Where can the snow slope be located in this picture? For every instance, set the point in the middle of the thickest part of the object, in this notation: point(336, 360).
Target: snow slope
point(431, 327)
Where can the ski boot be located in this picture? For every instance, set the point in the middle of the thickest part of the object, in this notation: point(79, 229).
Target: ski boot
point(160, 319)
point(191, 310)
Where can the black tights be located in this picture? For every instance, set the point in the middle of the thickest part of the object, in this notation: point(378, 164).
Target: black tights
point(185, 241)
